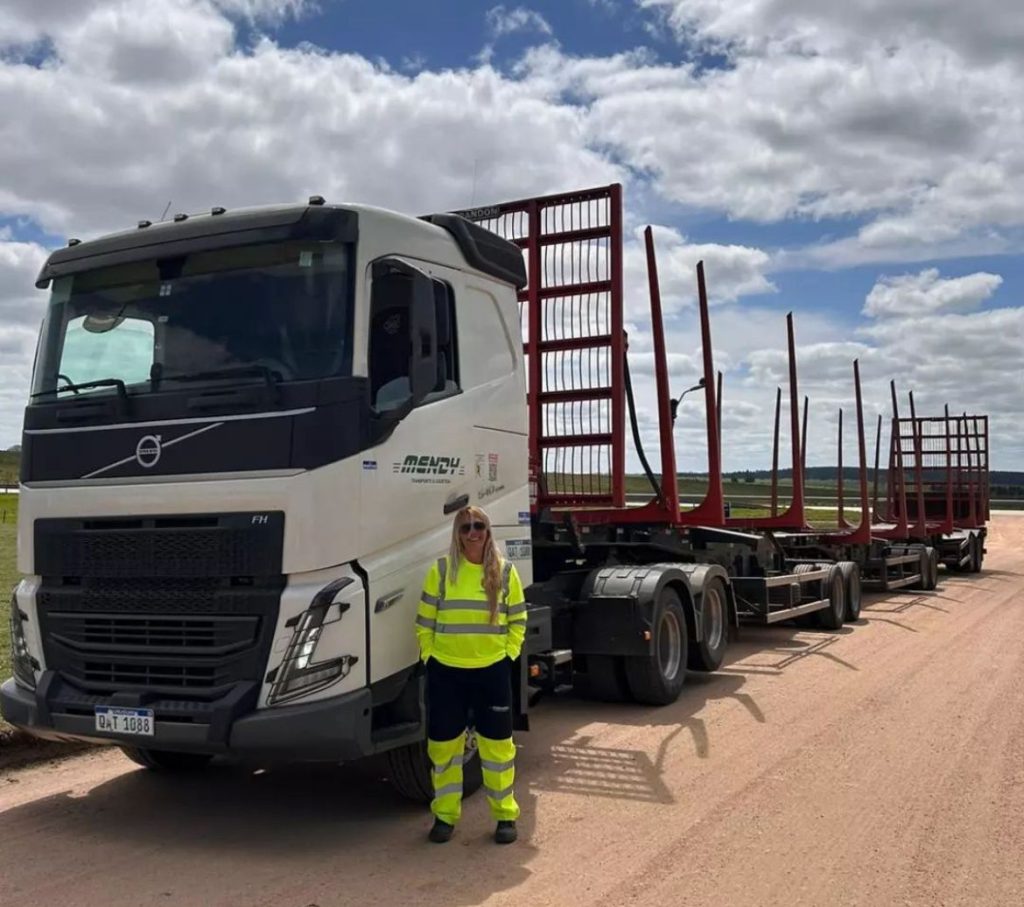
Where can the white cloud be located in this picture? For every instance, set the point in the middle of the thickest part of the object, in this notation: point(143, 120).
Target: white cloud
point(24, 22)
point(907, 295)
point(271, 11)
point(504, 21)
point(985, 29)
point(731, 271)
point(902, 113)
point(135, 42)
point(20, 303)
point(913, 149)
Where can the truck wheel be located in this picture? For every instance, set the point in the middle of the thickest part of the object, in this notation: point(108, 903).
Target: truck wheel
point(976, 555)
point(930, 568)
point(707, 654)
point(658, 678)
point(832, 617)
point(411, 774)
point(851, 577)
point(805, 621)
point(166, 761)
point(604, 679)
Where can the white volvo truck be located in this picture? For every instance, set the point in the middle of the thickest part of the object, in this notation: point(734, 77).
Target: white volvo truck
point(247, 434)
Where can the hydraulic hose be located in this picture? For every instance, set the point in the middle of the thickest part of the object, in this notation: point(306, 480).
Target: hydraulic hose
point(636, 435)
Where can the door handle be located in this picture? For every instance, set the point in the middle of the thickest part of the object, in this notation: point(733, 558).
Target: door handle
point(388, 600)
point(457, 504)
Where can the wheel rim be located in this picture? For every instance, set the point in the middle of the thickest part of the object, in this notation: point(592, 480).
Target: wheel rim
point(670, 645)
point(714, 618)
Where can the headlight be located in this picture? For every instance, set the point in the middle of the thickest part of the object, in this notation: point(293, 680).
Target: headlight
point(24, 665)
point(298, 675)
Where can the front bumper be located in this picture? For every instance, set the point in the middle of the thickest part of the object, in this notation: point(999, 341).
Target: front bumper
point(330, 730)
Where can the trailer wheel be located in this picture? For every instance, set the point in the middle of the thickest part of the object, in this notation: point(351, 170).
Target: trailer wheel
point(929, 569)
point(604, 679)
point(851, 577)
point(410, 772)
point(658, 678)
point(805, 621)
point(976, 556)
point(707, 654)
point(832, 617)
point(165, 760)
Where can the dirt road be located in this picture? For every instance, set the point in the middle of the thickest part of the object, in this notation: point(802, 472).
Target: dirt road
point(880, 765)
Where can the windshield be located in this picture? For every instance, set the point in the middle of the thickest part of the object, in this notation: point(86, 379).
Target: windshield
point(240, 314)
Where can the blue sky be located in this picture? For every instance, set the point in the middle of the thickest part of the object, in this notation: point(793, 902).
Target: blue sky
point(857, 165)
point(451, 34)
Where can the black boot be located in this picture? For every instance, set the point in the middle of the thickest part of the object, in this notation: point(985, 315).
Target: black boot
point(506, 832)
point(442, 832)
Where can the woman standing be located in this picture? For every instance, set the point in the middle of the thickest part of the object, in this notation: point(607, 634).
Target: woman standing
point(470, 625)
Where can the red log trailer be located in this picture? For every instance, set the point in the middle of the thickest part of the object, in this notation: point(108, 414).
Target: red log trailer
point(625, 598)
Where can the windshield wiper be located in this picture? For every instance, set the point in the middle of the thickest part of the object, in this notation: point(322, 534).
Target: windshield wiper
point(86, 385)
point(269, 375)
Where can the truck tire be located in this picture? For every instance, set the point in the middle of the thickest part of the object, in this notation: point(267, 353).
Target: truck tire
point(851, 577)
point(165, 760)
point(835, 586)
point(657, 679)
point(929, 568)
point(976, 555)
point(806, 621)
point(604, 679)
point(410, 772)
point(707, 654)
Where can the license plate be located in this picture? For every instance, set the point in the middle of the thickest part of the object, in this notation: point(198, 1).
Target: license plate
point(133, 722)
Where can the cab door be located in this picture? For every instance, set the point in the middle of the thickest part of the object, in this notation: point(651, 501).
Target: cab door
point(424, 471)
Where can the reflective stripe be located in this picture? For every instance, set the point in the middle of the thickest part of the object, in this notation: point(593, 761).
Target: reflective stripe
point(429, 599)
point(464, 604)
point(517, 609)
point(455, 788)
point(484, 629)
point(442, 569)
point(497, 766)
point(441, 769)
point(427, 622)
point(498, 794)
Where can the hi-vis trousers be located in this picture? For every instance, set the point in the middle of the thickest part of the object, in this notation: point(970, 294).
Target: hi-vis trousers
point(453, 694)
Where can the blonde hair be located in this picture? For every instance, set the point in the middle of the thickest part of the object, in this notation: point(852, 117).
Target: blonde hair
point(492, 557)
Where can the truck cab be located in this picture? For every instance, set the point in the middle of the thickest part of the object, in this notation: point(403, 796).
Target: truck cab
point(247, 435)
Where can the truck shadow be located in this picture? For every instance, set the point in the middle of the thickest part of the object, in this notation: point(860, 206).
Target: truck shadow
point(322, 834)
point(318, 834)
point(581, 763)
point(568, 754)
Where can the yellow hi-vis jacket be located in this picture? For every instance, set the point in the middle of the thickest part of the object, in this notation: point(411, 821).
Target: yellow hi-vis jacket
point(453, 621)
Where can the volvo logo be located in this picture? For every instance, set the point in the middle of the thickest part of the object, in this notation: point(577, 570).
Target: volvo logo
point(148, 450)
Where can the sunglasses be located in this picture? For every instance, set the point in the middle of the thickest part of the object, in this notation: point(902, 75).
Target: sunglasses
point(475, 526)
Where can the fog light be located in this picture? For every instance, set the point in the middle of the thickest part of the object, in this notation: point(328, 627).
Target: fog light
point(298, 675)
point(22, 663)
